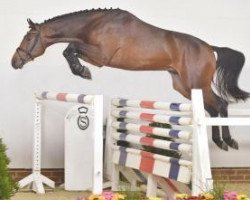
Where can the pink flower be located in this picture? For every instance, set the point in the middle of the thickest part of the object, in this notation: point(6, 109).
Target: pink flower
point(230, 195)
point(108, 195)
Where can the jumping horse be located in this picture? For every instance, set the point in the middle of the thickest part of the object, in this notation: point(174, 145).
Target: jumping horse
point(118, 39)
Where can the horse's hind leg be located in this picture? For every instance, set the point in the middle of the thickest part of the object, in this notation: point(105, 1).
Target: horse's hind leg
point(216, 130)
point(212, 104)
point(225, 130)
point(71, 55)
point(221, 106)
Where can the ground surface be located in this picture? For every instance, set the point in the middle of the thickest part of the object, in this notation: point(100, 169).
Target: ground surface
point(240, 188)
point(60, 194)
point(57, 194)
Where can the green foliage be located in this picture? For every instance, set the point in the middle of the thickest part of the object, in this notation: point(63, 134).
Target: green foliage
point(7, 185)
point(170, 153)
point(164, 152)
point(125, 189)
point(218, 190)
point(160, 125)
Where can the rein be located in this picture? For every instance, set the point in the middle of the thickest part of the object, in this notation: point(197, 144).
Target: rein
point(27, 53)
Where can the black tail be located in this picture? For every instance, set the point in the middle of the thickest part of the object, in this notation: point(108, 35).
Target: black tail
point(229, 66)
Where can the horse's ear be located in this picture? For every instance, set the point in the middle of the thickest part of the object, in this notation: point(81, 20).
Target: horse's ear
point(32, 25)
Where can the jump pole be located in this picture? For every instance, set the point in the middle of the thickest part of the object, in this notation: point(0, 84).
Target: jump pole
point(200, 173)
point(36, 179)
point(202, 177)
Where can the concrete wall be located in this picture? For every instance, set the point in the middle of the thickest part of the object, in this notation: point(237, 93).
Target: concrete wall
point(218, 22)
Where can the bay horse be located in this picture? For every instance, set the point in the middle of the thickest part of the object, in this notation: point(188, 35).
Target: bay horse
point(118, 39)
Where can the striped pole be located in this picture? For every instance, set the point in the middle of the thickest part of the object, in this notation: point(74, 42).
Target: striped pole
point(65, 97)
point(149, 141)
point(130, 123)
point(163, 132)
point(183, 107)
point(177, 120)
point(133, 121)
point(151, 163)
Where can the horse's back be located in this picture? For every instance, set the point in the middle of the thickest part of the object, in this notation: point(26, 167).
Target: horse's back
point(129, 42)
point(126, 41)
point(123, 24)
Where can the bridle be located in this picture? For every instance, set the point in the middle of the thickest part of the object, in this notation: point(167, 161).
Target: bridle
point(27, 53)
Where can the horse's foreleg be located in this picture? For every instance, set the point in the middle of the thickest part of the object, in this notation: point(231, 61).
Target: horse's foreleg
point(225, 130)
point(70, 53)
point(91, 54)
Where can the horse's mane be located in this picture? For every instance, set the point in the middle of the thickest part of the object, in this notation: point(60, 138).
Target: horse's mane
point(77, 13)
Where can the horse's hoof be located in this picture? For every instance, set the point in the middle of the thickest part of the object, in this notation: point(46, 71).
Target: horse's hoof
point(86, 74)
point(88, 77)
point(223, 146)
point(233, 144)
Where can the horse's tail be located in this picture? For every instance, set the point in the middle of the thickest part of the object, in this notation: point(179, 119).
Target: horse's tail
point(229, 65)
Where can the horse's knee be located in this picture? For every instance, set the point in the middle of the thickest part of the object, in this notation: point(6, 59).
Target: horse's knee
point(69, 51)
point(66, 53)
point(224, 109)
point(211, 110)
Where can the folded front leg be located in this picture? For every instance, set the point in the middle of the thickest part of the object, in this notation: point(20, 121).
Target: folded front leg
point(71, 55)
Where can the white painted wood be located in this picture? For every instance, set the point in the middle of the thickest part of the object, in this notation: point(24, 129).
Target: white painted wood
point(151, 186)
point(36, 179)
point(91, 170)
point(201, 157)
point(201, 168)
point(115, 177)
point(78, 150)
point(97, 140)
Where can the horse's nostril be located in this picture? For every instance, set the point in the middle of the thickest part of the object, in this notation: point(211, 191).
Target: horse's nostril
point(14, 63)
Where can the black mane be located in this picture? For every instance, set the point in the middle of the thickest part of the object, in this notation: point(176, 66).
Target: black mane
point(77, 13)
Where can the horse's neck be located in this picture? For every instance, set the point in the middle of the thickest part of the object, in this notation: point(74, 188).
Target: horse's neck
point(62, 32)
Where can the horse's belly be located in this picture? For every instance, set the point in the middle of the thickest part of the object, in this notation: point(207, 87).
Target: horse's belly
point(136, 60)
point(139, 65)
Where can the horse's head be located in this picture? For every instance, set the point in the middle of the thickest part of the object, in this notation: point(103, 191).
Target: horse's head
point(30, 47)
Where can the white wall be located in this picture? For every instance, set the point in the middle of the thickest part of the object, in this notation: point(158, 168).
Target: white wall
point(219, 22)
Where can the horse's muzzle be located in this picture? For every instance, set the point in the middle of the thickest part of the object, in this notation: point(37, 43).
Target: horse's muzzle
point(16, 63)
